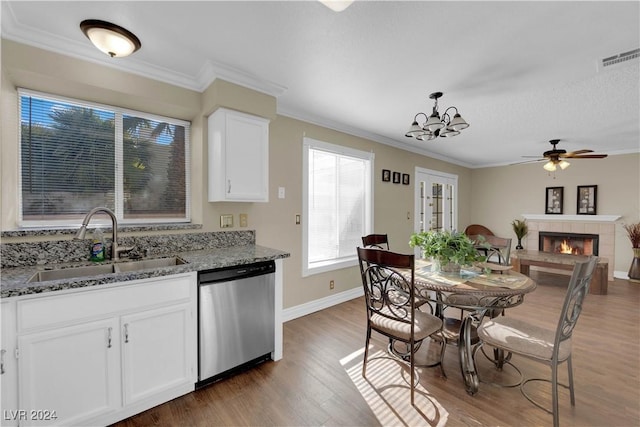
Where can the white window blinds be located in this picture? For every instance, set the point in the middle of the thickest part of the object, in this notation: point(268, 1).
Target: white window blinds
point(76, 155)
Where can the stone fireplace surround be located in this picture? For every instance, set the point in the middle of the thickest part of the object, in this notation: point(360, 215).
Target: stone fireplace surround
point(602, 225)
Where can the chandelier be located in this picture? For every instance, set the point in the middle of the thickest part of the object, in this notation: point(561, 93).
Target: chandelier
point(435, 125)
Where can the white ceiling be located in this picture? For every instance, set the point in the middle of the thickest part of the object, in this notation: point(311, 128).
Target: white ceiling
point(520, 73)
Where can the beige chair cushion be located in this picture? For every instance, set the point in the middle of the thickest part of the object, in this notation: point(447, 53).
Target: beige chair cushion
point(523, 338)
point(425, 325)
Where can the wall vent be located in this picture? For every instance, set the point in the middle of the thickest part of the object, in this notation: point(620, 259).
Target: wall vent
point(620, 59)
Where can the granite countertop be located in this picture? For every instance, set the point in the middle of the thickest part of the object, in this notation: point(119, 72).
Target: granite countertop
point(13, 281)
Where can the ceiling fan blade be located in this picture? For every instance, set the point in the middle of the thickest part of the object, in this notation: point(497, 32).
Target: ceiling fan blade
point(528, 161)
point(590, 156)
point(573, 153)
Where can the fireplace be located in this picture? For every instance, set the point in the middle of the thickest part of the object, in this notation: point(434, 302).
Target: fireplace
point(568, 243)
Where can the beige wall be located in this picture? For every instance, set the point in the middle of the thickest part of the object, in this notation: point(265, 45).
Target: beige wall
point(501, 194)
point(492, 196)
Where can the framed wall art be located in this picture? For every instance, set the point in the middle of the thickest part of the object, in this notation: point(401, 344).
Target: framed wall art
point(587, 200)
point(386, 175)
point(396, 177)
point(405, 178)
point(554, 200)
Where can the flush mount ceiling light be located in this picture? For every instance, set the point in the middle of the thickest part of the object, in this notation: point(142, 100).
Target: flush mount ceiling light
point(337, 5)
point(434, 126)
point(110, 38)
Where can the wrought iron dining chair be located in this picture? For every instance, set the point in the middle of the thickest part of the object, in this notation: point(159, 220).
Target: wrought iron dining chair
point(495, 249)
point(551, 347)
point(379, 241)
point(388, 281)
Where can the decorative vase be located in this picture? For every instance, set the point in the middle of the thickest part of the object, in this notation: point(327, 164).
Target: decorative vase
point(519, 245)
point(634, 271)
point(446, 267)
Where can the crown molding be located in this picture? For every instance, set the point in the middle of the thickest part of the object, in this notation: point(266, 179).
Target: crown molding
point(283, 110)
point(13, 30)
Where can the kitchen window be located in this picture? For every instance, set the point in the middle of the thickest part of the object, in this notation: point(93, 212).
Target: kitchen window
point(337, 205)
point(76, 155)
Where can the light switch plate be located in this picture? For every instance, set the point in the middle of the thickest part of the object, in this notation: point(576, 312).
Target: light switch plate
point(280, 192)
point(226, 221)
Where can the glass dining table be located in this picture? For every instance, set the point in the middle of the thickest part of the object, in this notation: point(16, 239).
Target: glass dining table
point(484, 289)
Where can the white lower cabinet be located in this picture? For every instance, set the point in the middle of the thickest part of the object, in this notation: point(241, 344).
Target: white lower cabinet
point(70, 374)
point(156, 352)
point(8, 366)
point(98, 356)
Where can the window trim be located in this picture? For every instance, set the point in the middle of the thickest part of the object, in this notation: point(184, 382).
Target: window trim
point(308, 144)
point(119, 205)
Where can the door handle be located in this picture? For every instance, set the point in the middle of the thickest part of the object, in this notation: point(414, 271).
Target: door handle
point(109, 338)
point(126, 333)
point(2, 352)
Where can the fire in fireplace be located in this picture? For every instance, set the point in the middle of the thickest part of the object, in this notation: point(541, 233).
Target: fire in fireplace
point(568, 243)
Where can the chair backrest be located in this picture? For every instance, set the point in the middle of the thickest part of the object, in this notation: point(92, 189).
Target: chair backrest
point(477, 229)
point(388, 292)
point(501, 248)
point(379, 241)
point(578, 289)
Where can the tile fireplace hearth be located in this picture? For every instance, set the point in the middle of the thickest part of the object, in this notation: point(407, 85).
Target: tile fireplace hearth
point(602, 226)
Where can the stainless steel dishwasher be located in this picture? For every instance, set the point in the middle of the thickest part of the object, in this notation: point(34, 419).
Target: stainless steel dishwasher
point(235, 319)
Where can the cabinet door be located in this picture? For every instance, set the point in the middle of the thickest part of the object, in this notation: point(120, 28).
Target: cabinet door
point(247, 158)
point(9, 366)
point(158, 351)
point(70, 374)
point(238, 157)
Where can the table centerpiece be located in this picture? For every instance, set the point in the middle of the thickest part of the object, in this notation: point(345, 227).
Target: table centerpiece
point(448, 249)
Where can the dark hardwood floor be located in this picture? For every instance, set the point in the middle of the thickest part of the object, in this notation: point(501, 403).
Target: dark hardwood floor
point(310, 387)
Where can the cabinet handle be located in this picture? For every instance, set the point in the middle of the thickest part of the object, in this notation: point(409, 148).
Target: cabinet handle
point(2, 352)
point(109, 338)
point(228, 186)
point(126, 333)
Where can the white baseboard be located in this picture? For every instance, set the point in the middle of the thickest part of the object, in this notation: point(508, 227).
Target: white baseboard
point(320, 304)
point(621, 274)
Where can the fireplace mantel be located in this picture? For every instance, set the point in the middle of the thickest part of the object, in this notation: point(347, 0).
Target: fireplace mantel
point(585, 218)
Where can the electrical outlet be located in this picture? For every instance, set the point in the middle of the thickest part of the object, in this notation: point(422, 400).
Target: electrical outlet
point(331, 284)
point(243, 220)
point(226, 221)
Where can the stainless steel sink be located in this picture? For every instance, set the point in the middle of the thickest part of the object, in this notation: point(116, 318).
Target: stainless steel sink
point(94, 270)
point(70, 273)
point(147, 264)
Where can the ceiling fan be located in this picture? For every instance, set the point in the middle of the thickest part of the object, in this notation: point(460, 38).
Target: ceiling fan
point(556, 156)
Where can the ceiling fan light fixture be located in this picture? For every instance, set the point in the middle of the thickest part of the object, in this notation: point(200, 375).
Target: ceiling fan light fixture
point(550, 166)
point(438, 125)
point(111, 39)
point(563, 164)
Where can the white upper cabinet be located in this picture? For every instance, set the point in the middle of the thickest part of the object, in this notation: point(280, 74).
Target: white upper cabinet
point(238, 157)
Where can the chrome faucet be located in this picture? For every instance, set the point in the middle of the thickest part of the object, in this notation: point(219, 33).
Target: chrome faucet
point(115, 248)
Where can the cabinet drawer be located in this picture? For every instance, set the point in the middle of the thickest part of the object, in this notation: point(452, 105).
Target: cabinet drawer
point(48, 312)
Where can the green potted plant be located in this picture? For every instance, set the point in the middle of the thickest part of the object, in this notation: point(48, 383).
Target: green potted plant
point(449, 249)
point(521, 229)
point(633, 231)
